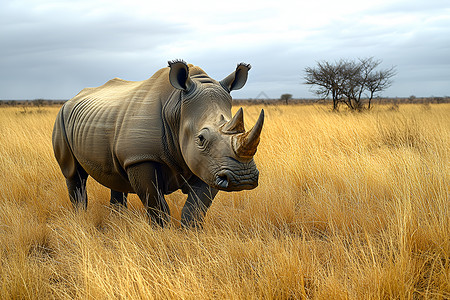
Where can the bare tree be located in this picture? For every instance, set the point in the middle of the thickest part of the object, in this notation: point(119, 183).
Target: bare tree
point(379, 81)
point(348, 81)
point(350, 87)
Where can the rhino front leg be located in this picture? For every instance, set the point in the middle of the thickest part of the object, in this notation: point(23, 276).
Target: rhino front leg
point(145, 178)
point(118, 198)
point(199, 199)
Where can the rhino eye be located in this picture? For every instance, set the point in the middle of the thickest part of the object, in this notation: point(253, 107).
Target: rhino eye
point(201, 140)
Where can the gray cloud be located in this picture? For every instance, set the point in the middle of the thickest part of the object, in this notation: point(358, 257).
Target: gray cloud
point(54, 54)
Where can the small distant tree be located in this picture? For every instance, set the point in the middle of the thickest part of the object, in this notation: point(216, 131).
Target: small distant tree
point(286, 97)
point(348, 81)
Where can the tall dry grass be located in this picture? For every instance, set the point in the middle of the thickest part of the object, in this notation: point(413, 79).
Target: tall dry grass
point(350, 206)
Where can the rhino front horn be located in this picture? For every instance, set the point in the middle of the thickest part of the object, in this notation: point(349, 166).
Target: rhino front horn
point(245, 144)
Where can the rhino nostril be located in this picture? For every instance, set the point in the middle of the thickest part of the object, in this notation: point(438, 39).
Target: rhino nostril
point(222, 180)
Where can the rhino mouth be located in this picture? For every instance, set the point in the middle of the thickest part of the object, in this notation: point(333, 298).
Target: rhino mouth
point(228, 180)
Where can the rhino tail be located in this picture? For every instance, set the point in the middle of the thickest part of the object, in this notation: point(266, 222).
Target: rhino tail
point(61, 147)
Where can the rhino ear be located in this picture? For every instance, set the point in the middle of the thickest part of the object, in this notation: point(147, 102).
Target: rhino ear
point(237, 79)
point(179, 75)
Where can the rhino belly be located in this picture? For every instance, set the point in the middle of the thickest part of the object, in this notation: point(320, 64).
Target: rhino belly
point(107, 176)
point(101, 165)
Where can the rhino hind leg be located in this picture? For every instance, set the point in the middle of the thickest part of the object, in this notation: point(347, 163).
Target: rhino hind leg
point(146, 181)
point(76, 185)
point(118, 198)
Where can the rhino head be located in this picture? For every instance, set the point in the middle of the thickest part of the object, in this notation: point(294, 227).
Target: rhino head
point(214, 144)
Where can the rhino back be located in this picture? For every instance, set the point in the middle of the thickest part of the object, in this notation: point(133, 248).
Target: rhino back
point(116, 125)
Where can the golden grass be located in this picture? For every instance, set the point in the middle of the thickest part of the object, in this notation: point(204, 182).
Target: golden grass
point(350, 206)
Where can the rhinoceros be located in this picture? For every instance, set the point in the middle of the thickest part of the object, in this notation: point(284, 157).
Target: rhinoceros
point(172, 131)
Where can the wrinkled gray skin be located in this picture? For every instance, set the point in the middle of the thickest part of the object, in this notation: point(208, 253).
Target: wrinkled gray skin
point(172, 131)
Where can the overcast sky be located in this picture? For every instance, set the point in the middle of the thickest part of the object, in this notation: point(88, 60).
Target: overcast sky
point(53, 49)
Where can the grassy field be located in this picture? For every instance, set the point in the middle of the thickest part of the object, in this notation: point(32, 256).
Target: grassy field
point(349, 206)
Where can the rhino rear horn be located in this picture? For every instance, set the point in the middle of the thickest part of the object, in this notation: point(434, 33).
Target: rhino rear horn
point(246, 144)
point(179, 75)
point(236, 124)
point(237, 79)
